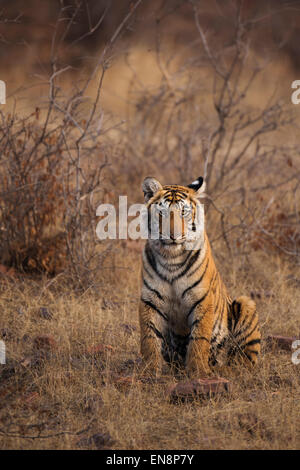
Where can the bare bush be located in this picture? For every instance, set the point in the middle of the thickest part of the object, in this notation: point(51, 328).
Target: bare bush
point(48, 193)
point(51, 170)
point(200, 119)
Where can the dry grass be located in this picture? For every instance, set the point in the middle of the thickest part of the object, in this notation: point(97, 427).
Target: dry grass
point(70, 394)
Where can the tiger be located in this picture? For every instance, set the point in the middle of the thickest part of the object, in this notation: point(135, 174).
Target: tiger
point(186, 316)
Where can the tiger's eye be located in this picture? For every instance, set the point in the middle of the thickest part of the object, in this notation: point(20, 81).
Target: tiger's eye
point(186, 212)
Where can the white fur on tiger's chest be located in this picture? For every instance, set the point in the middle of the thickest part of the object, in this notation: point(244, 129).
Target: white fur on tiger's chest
point(177, 307)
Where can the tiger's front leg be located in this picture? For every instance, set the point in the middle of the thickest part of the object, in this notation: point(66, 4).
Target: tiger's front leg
point(151, 338)
point(198, 353)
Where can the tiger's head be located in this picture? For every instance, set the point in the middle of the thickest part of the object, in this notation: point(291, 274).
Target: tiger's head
point(175, 213)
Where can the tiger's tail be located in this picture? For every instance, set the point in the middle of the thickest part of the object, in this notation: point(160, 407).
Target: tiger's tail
point(244, 330)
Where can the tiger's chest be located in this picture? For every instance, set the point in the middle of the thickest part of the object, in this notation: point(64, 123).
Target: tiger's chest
point(177, 302)
point(173, 285)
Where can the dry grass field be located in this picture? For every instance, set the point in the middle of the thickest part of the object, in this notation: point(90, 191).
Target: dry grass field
point(62, 382)
point(159, 103)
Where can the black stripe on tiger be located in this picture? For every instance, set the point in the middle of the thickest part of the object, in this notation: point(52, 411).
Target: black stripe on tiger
point(152, 261)
point(151, 305)
point(191, 262)
point(152, 290)
point(199, 338)
point(147, 272)
point(197, 282)
point(197, 303)
point(237, 335)
point(251, 343)
point(155, 330)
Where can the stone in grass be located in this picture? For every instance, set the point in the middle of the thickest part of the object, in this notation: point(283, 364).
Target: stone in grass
point(98, 440)
point(201, 388)
point(280, 342)
point(43, 347)
point(44, 343)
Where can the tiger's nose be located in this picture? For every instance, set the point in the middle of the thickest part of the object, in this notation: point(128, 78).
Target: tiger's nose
point(173, 234)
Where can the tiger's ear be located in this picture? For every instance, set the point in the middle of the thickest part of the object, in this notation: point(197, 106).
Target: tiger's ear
point(150, 186)
point(198, 186)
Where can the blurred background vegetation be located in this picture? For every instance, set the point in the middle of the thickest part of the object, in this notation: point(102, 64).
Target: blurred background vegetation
point(102, 92)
